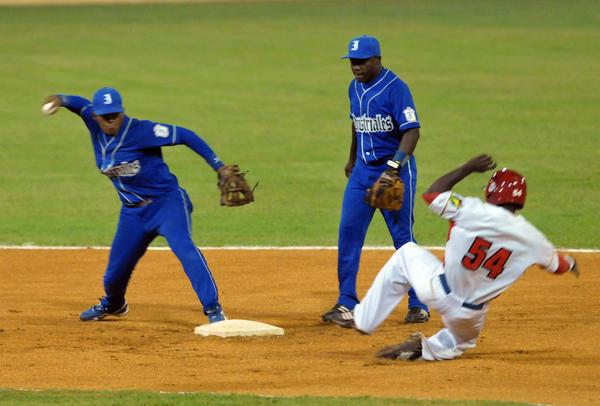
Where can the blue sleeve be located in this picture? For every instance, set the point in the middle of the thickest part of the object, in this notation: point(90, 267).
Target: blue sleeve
point(78, 105)
point(163, 135)
point(403, 107)
point(197, 144)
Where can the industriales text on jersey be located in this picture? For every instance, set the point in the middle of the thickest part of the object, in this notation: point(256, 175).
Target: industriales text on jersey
point(375, 124)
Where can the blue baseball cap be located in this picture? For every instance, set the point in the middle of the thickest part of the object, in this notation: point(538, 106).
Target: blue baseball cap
point(107, 100)
point(363, 47)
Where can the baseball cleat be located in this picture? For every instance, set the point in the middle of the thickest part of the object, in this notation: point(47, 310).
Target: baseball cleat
point(335, 310)
point(103, 309)
point(416, 315)
point(409, 350)
point(215, 314)
point(343, 317)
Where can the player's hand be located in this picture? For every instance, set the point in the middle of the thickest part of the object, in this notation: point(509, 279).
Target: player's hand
point(481, 163)
point(51, 104)
point(349, 167)
point(572, 265)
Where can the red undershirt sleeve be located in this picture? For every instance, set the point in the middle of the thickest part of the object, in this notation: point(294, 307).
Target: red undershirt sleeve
point(430, 197)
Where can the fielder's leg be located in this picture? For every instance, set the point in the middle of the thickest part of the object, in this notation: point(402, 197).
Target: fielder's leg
point(354, 223)
point(176, 227)
point(130, 243)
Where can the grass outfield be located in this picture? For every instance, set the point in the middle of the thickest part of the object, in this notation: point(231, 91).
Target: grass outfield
point(142, 398)
point(264, 85)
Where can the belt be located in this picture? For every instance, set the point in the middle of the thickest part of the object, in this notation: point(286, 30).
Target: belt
point(380, 161)
point(139, 204)
point(447, 289)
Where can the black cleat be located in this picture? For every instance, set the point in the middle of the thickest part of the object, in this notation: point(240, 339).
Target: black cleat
point(336, 312)
point(416, 315)
point(344, 317)
point(409, 350)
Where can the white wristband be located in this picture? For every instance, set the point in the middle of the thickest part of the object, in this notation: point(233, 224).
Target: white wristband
point(393, 164)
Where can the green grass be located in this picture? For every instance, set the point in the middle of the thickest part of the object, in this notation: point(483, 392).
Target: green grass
point(146, 398)
point(264, 85)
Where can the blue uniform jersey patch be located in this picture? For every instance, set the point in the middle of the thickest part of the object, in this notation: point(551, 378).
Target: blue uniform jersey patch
point(381, 111)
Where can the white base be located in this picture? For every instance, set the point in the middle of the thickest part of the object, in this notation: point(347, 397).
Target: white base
point(238, 328)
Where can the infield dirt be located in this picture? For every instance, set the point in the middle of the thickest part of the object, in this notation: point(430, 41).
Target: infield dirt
point(540, 343)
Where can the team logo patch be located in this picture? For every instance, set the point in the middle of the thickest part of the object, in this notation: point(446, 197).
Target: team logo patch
point(492, 186)
point(161, 131)
point(455, 201)
point(123, 169)
point(410, 114)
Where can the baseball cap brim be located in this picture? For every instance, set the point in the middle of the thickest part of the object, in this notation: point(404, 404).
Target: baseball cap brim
point(358, 55)
point(108, 109)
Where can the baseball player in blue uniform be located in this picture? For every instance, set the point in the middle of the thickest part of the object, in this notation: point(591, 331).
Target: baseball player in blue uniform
point(385, 131)
point(128, 152)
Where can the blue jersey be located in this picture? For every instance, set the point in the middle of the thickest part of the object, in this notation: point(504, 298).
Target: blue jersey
point(381, 111)
point(132, 159)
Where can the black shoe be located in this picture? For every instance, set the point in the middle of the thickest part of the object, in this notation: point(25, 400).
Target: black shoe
point(344, 317)
point(335, 312)
point(416, 315)
point(409, 350)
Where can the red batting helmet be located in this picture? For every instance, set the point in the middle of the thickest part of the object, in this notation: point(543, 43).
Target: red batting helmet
point(506, 187)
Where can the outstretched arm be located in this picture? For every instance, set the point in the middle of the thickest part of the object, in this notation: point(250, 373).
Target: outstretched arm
point(446, 182)
point(75, 104)
point(198, 145)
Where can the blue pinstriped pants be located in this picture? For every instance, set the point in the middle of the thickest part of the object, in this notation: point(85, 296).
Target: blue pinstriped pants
point(169, 216)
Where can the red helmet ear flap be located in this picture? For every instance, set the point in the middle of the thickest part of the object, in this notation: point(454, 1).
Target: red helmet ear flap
point(506, 187)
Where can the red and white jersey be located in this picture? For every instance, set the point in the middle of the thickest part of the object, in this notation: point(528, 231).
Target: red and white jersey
point(488, 248)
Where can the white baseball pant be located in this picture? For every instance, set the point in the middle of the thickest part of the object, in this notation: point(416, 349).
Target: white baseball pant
point(413, 266)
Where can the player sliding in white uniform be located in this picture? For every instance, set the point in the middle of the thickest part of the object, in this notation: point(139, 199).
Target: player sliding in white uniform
point(489, 247)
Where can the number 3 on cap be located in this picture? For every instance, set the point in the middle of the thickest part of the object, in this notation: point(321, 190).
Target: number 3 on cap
point(354, 46)
point(107, 98)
